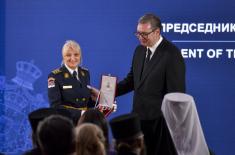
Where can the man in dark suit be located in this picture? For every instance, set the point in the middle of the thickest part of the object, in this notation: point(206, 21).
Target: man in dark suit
point(157, 68)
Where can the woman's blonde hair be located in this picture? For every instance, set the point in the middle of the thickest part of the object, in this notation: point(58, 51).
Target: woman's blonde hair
point(71, 44)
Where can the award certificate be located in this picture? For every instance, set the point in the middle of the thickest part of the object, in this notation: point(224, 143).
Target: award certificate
point(107, 91)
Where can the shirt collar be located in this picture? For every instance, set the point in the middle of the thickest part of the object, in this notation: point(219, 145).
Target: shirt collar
point(154, 47)
point(71, 70)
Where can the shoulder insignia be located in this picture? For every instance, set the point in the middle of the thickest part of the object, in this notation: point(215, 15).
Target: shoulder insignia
point(56, 71)
point(84, 69)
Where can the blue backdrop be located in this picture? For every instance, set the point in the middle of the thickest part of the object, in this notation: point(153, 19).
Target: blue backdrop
point(32, 33)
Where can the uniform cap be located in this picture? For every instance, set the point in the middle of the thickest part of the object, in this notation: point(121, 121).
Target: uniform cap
point(38, 115)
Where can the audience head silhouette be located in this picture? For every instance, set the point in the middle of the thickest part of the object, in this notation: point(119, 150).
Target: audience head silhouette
point(96, 117)
point(89, 140)
point(56, 135)
point(127, 133)
point(35, 117)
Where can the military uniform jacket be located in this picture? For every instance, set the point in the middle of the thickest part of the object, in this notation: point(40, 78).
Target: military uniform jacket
point(65, 90)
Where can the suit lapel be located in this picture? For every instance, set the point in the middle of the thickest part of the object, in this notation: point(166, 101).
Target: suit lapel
point(141, 64)
point(152, 63)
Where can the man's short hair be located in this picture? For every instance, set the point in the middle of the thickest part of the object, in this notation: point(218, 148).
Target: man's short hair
point(154, 20)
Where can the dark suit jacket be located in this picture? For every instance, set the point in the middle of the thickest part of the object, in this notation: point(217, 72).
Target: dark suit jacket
point(165, 73)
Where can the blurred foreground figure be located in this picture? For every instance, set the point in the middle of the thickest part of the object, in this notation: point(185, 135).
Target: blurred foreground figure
point(129, 139)
point(96, 117)
point(56, 136)
point(89, 140)
point(181, 115)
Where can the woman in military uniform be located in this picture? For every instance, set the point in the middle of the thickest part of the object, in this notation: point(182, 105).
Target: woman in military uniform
point(67, 85)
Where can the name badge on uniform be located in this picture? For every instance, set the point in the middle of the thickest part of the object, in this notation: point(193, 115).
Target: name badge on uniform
point(67, 87)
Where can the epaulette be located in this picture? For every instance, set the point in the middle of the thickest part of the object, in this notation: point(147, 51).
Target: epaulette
point(56, 71)
point(83, 68)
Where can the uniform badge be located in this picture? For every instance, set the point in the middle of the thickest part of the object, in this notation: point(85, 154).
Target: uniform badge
point(83, 74)
point(66, 75)
point(56, 71)
point(67, 87)
point(51, 82)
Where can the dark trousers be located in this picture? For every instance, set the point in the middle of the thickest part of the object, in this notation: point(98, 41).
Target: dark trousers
point(157, 137)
